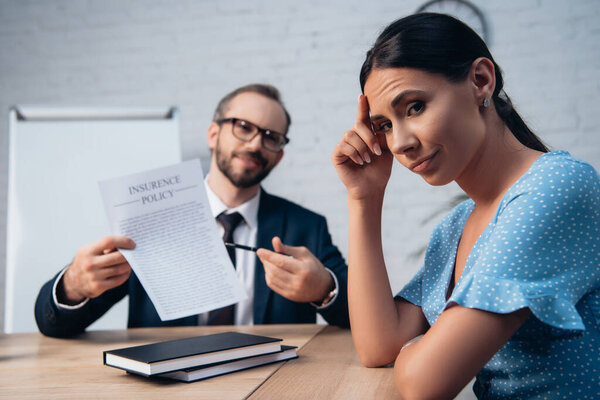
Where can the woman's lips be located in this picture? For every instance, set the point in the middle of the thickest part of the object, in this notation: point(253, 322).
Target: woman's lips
point(422, 164)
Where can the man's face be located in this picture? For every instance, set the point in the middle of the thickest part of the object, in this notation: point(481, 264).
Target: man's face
point(246, 164)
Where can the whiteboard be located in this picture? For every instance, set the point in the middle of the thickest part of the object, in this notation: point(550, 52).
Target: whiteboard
point(56, 158)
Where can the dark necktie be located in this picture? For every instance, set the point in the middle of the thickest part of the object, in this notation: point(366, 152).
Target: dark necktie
point(224, 316)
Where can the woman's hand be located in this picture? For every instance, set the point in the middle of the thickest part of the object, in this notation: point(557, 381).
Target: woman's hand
point(362, 159)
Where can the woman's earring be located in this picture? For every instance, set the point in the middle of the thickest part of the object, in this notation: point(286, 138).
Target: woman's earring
point(486, 102)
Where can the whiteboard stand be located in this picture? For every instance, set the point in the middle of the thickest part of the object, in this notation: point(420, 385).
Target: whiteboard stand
point(56, 158)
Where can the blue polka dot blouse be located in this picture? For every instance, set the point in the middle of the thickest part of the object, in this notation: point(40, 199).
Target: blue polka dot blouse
point(542, 251)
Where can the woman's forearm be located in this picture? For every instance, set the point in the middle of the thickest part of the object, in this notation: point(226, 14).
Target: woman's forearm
point(373, 316)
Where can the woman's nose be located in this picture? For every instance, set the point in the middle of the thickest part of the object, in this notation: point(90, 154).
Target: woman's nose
point(402, 141)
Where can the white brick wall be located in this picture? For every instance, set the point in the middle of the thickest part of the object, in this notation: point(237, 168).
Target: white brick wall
point(190, 53)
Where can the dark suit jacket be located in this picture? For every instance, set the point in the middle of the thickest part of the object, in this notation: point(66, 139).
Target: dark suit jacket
point(295, 225)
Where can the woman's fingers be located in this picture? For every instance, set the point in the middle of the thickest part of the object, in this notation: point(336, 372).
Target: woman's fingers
point(347, 149)
point(360, 144)
point(362, 114)
point(363, 126)
point(353, 146)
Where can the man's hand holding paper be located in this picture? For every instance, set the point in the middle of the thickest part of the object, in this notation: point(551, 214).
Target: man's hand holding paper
point(179, 257)
point(96, 268)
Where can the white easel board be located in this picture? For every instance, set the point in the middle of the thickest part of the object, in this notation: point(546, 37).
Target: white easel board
point(56, 158)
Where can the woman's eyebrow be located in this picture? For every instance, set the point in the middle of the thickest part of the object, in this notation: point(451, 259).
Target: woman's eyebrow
point(376, 118)
point(397, 100)
point(403, 94)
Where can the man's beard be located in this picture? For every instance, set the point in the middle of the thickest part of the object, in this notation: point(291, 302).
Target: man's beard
point(246, 178)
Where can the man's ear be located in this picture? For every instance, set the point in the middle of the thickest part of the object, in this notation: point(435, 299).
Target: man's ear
point(483, 77)
point(212, 135)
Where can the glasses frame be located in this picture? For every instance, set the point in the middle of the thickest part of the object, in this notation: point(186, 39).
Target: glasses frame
point(263, 133)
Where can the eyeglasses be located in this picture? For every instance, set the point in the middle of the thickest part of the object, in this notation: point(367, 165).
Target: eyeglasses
point(246, 131)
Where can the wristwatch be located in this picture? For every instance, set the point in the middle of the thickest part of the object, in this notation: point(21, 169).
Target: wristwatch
point(329, 297)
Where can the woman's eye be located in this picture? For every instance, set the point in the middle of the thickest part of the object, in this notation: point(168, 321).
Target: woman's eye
point(416, 108)
point(383, 128)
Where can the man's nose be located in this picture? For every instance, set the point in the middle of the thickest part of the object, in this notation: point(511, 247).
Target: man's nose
point(256, 142)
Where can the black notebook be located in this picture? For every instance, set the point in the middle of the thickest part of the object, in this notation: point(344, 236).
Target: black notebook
point(172, 355)
point(207, 371)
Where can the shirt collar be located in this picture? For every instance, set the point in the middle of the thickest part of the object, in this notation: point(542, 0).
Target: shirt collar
point(249, 209)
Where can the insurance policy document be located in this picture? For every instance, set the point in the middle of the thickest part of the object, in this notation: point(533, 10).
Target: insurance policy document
point(179, 256)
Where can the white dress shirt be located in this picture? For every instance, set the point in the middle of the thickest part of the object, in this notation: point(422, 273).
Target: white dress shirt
point(245, 261)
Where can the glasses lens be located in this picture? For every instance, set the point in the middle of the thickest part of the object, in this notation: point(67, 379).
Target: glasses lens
point(272, 141)
point(244, 129)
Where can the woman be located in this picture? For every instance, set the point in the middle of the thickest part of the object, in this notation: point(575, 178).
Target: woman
point(510, 288)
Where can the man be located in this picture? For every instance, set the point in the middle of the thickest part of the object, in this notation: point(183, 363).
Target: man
point(246, 138)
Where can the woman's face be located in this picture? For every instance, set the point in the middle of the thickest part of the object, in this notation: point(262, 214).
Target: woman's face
point(432, 126)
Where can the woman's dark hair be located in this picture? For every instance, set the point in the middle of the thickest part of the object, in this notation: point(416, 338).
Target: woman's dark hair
point(440, 44)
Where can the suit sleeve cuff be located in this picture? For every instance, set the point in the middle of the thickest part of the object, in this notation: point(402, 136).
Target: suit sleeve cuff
point(55, 298)
point(330, 299)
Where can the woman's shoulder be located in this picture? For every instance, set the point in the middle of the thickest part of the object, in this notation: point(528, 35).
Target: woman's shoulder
point(555, 184)
point(563, 161)
point(553, 176)
point(558, 170)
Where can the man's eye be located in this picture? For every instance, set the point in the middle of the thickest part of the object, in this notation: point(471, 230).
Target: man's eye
point(272, 137)
point(416, 108)
point(245, 126)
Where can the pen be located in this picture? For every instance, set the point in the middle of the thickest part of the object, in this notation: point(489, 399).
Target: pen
point(244, 247)
point(241, 246)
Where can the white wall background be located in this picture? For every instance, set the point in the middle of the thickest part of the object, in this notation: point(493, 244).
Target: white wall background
point(190, 53)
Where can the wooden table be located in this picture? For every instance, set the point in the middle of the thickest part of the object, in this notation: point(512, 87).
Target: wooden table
point(35, 366)
point(328, 368)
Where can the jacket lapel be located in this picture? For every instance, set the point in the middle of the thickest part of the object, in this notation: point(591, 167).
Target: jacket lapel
point(270, 224)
